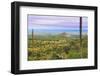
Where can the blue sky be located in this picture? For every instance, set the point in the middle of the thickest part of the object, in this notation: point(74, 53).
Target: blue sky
point(56, 24)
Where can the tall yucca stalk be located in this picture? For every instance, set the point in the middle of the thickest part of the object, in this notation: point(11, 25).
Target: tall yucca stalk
point(81, 36)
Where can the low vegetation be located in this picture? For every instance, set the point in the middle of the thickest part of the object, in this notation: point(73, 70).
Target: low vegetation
point(50, 47)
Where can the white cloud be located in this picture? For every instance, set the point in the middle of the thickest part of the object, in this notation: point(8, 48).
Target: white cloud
point(51, 27)
point(44, 21)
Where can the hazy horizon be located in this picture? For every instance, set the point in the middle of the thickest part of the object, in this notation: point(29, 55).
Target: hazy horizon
point(56, 24)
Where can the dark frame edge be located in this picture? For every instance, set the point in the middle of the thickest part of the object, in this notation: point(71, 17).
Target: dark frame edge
point(53, 5)
point(12, 38)
point(96, 37)
point(14, 34)
point(56, 70)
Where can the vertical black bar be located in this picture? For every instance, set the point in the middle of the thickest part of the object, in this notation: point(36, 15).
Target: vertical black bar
point(15, 64)
point(96, 38)
point(17, 37)
point(80, 30)
point(12, 38)
point(81, 35)
point(32, 38)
